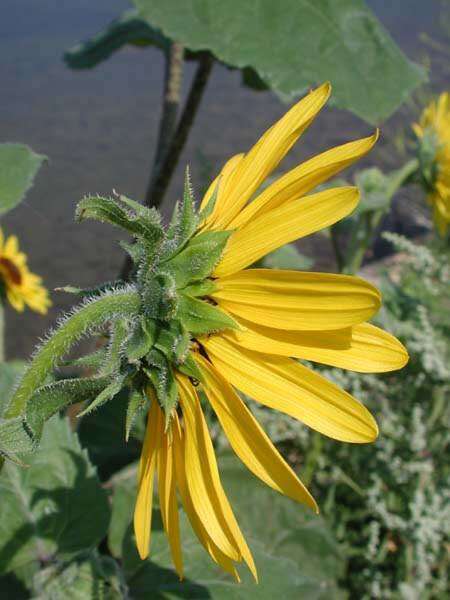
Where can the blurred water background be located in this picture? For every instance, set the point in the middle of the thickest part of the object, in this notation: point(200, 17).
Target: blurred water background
point(99, 128)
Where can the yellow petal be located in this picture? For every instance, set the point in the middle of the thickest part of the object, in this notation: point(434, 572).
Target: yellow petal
point(216, 554)
point(147, 463)
point(297, 300)
point(288, 386)
point(283, 224)
point(202, 474)
point(305, 177)
point(266, 154)
point(168, 502)
point(11, 246)
point(363, 348)
point(221, 180)
point(248, 439)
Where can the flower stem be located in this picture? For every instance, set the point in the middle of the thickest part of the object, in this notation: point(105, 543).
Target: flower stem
point(2, 332)
point(155, 193)
point(170, 106)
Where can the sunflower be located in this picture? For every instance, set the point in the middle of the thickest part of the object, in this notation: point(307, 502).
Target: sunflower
point(266, 321)
point(20, 286)
point(433, 132)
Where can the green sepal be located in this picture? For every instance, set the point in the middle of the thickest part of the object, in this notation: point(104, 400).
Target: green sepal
point(207, 211)
point(135, 251)
point(190, 368)
point(199, 289)
point(160, 298)
point(108, 210)
point(94, 360)
point(91, 292)
point(198, 259)
point(161, 376)
point(200, 317)
point(184, 220)
point(148, 218)
point(51, 398)
point(141, 339)
point(136, 403)
point(108, 393)
point(119, 334)
point(173, 341)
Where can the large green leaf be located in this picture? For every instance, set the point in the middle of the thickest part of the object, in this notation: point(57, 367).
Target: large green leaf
point(18, 167)
point(88, 576)
point(295, 554)
point(295, 44)
point(131, 29)
point(55, 507)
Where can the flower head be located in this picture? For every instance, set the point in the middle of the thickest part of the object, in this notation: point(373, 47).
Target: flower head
point(20, 286)
point(433, 132)
point(197, 317)
point(255, 323)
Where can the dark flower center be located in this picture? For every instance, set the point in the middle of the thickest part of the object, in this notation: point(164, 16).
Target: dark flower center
point(11, 271)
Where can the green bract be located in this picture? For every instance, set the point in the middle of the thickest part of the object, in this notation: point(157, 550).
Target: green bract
point(149, 322)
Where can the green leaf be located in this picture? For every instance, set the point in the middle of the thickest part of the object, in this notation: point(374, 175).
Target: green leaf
point(287, 257)
point(296, 44)
point(127, 29)
point(18, 168)
point(198, 259)
point(88, 576)
point(200, 317)
point(54, 507)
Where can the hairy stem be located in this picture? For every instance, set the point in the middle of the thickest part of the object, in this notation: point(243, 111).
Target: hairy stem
point(155, 194)
point(170, 106)
point(2, 331)
point(88, 317)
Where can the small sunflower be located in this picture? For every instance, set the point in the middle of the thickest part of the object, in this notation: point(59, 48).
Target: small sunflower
point(20, 286)
point(275, 317)
point(433, 132)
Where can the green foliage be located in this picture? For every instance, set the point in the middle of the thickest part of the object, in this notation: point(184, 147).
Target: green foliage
point(338, 41)
point(53, 511)
point(287, 257)
point(294, 551)
point(88, 576)
point(18, 168)
point(131, 29)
